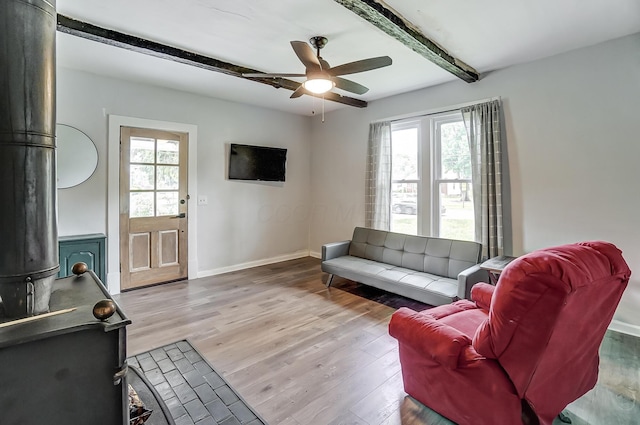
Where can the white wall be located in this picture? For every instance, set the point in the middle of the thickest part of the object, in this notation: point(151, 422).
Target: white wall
point(573, 147)
point(244, 223)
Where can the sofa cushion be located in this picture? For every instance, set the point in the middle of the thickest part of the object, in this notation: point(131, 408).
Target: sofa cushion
point(463, 255)
point(415, 244)
point(376, 237)
point(438, 247)
point(444, 285)
point(373, 252)
point(358, 242)
point(395, 241)
point(413, 261)
point(392, 256)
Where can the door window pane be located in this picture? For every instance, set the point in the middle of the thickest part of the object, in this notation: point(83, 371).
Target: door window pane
point(168, 151)
point(141, 177)
point(141, 204)
point(167, 203)
point(168, 177)
point(142, 150)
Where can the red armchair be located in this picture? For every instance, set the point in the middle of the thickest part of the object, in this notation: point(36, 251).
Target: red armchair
point(522, 349)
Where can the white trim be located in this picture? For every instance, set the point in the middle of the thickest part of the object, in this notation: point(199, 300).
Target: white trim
point(625, 328)
point(286, 257)
point(315, 254)
point(113, 192)
point(434, 111)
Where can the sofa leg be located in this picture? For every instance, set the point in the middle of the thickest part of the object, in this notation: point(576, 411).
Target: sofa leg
point(329, 280)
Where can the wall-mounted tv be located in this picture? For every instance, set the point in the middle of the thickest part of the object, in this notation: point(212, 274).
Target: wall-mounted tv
point(257, 163)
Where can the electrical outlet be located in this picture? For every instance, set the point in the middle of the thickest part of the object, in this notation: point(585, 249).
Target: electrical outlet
point(202, 200)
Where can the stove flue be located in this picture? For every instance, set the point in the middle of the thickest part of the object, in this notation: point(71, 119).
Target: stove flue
point(28, 221)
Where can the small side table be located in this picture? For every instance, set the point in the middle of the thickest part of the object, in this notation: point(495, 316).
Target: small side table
point(494, 266)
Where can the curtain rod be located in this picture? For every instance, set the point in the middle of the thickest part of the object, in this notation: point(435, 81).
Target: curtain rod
point(435, 111)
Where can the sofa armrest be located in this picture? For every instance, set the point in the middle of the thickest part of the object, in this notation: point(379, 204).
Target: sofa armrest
point(469, 277)
point(428, 336)
point(482, 293)
point(335, 250)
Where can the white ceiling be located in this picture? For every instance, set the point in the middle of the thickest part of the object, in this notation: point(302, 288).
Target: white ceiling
point(487, 35)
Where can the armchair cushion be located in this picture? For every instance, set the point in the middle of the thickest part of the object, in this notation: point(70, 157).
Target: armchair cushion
point(482, 293)
point(425, 334)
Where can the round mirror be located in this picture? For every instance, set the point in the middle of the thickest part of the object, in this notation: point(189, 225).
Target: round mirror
point(76, 156)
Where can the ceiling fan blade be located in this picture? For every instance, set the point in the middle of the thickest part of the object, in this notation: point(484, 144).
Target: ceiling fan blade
point(361, 66)
point(267, 75)
point(298, 92)
point(348, 85)
point(306, 55)
point(334, 97)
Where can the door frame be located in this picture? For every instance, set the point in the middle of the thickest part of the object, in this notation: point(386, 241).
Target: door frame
point(113, 192)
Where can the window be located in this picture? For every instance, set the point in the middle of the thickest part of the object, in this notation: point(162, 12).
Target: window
point(431, 190)
point(405, 182)
point(453, 199)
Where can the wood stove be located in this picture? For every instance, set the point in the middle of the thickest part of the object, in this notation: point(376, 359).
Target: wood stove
point(67, 366)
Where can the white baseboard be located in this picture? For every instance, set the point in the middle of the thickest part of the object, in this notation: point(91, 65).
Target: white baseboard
point(315, 254)
point(250, 264)
point(625, 328)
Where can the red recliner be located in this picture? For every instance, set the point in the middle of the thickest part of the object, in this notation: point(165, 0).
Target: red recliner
point(529, 344)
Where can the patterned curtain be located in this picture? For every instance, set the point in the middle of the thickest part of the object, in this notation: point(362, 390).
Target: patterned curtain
point(378, 178)
point(483, 130)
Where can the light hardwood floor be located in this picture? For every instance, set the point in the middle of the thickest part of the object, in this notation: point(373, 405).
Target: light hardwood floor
point(304, 354)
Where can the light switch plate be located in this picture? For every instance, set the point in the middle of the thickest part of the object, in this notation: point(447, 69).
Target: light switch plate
point(203, 200)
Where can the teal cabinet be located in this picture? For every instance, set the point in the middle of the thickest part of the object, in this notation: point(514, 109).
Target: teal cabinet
point(88, 249)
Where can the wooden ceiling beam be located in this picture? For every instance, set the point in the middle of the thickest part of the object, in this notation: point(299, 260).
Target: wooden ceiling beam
point(140, 45)
point(400, 29)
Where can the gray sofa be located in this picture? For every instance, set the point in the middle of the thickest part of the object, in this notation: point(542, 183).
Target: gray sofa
point(431, 270)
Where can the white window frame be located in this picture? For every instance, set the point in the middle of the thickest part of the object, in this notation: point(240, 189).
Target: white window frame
point(406, 125)
point(436, 121)
point(429, 168)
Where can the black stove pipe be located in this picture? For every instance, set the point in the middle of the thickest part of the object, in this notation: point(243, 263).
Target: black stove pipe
point(28, 218)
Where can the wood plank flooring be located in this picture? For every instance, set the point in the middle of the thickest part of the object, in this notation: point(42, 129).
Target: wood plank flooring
point(304, 354)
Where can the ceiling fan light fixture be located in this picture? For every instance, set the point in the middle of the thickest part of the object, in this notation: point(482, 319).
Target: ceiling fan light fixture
point(318, 85)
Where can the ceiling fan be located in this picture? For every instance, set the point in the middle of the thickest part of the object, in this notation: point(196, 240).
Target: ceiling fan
point(321, 77)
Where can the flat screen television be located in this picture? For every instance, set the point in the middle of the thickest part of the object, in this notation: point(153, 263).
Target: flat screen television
point(257, 163)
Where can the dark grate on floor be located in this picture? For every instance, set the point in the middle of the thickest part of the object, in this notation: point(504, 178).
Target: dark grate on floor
point(194, 392)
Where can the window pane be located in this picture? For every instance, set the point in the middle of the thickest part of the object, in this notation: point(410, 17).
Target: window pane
point(167, 203)
point(455, 159)
point(456, 216)
point(142, 150)
point(168, 151)
point(404, 208)
point(404, 148)
point(141, 204)
point(141, 177)
point(168, 177)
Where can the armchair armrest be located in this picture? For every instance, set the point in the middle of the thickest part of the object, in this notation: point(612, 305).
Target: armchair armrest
point(469, 277)
point(482, 293)
point(335, 249)
point(426, 335)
